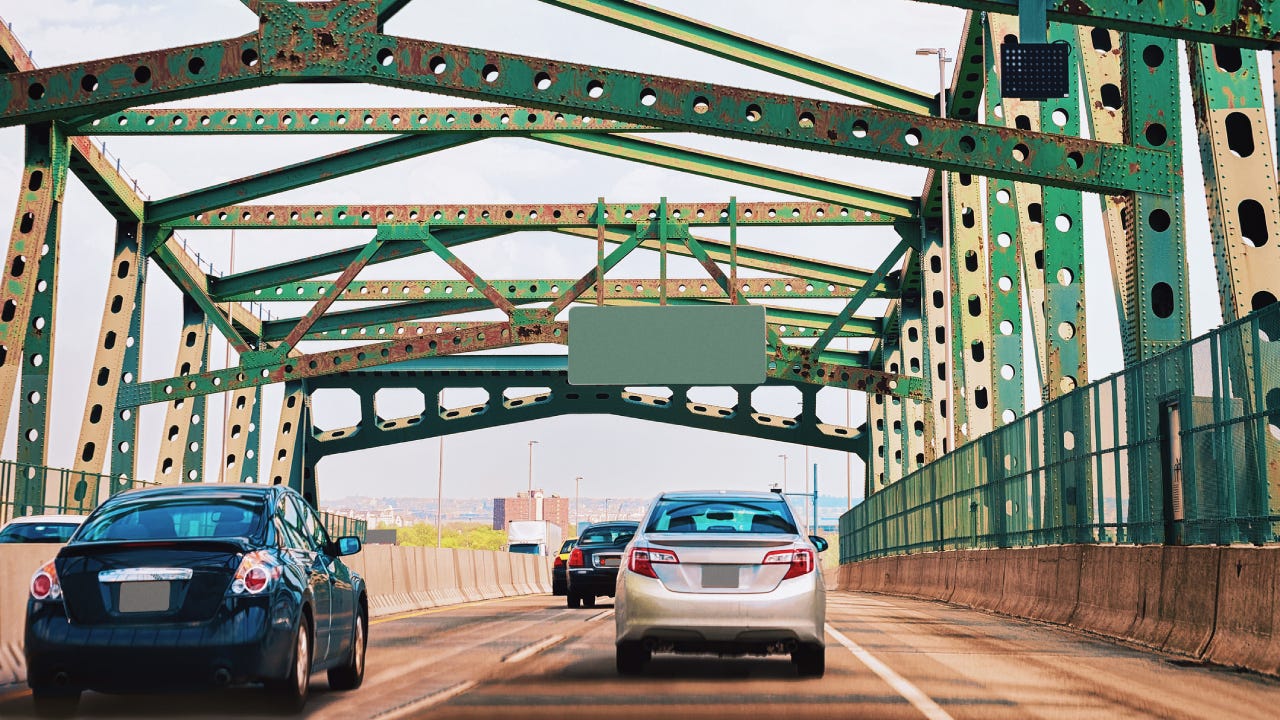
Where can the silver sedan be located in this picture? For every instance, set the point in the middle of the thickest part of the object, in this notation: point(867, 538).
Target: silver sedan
point(723, 572)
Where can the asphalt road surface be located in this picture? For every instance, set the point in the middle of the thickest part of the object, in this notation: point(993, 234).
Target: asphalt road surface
point(887, 657)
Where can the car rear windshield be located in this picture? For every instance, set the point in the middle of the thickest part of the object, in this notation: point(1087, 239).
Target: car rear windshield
point(567, 546)
point(721, 515)
point(38, 532)
point(607, 535)
point(173, 518)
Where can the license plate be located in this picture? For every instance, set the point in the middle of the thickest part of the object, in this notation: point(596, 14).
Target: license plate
point(149, 596)
point(610, 562)
point(719, 576)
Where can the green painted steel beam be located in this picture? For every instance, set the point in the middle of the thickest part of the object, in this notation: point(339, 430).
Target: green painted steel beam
point(355, 52)
point(193, 283)
point(535, 289)
point(269, 282)
point(698, 35)
point(1242, 23)
point(302, 174)
point(730, 169)
point(346, 120)
point(815, 271)
point(532, 216)
point(861, 296)
point(388, 9)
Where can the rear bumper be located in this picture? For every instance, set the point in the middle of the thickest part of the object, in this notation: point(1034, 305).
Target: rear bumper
point(559, 582)
point(794, 612)
point(593, 581)
point(242, 643)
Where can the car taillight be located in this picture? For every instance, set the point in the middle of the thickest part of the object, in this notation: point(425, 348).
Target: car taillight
point(575, 558)
point(799, 561)
point(640, 560)
point(44, 584)
point(257, 570)
point(558, 562)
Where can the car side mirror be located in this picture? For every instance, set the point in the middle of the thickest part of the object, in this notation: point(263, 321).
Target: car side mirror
point(347, 545)
point(819, 542)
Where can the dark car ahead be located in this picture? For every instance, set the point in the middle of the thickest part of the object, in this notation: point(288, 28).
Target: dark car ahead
point(194, 586)
point(594, 562)
point(559, 568)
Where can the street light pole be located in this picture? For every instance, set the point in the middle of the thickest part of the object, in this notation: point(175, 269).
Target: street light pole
point(440, 497)
point(531, 444)
point(784, 473)
point(577, 513)
point(946, 247)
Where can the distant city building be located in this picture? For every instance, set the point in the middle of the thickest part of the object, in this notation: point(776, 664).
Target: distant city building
point(386, 517)
point(538, 507)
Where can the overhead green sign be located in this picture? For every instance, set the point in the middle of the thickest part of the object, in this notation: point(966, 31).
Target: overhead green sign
point(667, 345)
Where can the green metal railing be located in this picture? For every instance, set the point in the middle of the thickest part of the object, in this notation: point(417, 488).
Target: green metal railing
point(1183, 448)
point(84, 489)
point(87, 490)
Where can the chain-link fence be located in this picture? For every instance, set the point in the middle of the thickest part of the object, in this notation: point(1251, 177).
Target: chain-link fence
point(1183, 448)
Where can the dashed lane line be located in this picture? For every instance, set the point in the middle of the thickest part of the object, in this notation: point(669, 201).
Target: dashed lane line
point(532, 649)
point(901, 685)
point(599, 616)
point(413, 707)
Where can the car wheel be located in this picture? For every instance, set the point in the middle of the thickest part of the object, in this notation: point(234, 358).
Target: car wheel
point(631, 658)
point(55, 703)
point(573, 601)
point(350, 674)
point(810, 660)
point(291, 692)
point(589, 601)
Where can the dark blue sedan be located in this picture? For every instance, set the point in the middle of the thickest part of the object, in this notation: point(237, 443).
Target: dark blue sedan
point(194, 586)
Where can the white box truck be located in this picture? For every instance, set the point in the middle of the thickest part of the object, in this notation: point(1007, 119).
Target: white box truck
point(534, 537)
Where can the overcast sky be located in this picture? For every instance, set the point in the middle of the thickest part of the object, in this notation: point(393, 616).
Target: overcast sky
point(616, 457)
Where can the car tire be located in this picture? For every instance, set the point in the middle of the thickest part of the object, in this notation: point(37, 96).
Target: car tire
point(588, 601)
point(55, 702)
point(573, 601)
point(350, 674)
point(810, 660)
point(631, 658)
point(291, 692)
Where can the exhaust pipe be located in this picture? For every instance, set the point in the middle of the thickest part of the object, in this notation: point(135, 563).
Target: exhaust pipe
point(222, 677)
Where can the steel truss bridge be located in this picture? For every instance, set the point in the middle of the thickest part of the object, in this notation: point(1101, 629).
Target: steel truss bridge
point(995, 234)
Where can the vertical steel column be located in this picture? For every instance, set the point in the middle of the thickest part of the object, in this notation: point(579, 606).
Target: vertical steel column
point(240, 456)
point(289, 463)
point(197, 434)
point(124, 422)
point(937, 325)
point(971, 310)
point(1064, 310)
point(1244, 215)
point(123, 287)
point(182, 414)
point(43, 179)
point(893, 419)
point(1008, 399)
point(916, 424)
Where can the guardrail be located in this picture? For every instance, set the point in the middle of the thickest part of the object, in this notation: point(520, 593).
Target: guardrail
point(1183, 448)
point(339, 525)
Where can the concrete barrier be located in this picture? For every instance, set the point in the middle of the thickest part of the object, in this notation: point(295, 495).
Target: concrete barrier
point(464, 563)
point(487, 574)
point(506, 582)
point(1209, 603)
point(1247, 617)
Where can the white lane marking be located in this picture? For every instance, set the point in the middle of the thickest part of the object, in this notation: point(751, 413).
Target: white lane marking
point(599, 616)
point(530, 650)
point(913, 694)
point(412, 707)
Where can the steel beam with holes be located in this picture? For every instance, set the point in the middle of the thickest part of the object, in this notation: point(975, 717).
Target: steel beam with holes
point(277, 53)
point(937, 327)
point(35, 224)
point(1244, 217)
point(1238, 23)
point(125, 420)
point(757, 288)
point(698, 35)
point(1008, 399)
point(240, 330)
point(184, 417)
point(497, 375)
point(240, 460)
point(526, 216)
point(970, 311)
point(346, 120)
